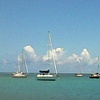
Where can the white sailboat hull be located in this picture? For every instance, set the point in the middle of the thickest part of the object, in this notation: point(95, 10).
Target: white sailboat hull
point(19, 75)
point(46, 77)
point(79, 75)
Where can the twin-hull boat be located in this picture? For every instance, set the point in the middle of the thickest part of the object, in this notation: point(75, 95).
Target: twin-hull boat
point(45, 75)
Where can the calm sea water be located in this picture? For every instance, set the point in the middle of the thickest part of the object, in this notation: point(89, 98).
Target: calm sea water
point(66, 87)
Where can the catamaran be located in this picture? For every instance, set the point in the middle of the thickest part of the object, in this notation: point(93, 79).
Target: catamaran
point(19, 73)
point(45, 74)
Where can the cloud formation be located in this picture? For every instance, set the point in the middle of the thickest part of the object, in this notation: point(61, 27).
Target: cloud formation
point(85, 58)
point(64, 62)
point(61, 57)
point(57, 53)
point(30, 53)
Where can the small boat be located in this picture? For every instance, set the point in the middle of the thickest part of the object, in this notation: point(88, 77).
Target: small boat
point(19, 73)
point(45, 75)
point(95, 75)
point(79, 75)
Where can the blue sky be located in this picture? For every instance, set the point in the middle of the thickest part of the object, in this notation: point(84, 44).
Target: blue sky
point(73, 24)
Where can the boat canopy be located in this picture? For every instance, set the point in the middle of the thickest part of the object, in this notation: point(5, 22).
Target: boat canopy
point(44, 71)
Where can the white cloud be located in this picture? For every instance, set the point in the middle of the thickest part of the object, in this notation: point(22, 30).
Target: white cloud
point(74, 60)
point(30, 52)
point(62, 59)
point(68, 63)
point(85, 54)
point(56, 53)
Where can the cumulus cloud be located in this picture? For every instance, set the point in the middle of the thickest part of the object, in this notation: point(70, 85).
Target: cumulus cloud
point(74, 60)
point(57, 53)
point(85, 54)
point(61, 57)
point(30, 52)
point(71, 62)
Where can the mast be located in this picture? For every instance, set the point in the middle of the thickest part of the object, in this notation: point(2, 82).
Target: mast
point(24, 61)
point(26, 65)
point(18, 63)
point(81, 65)
point(52, 55)
point(98, 63)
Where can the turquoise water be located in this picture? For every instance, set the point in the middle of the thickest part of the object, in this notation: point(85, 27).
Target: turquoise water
point(66, 87)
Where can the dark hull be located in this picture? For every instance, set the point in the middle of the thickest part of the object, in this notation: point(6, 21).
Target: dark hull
point(46, 78)
point(94, 76)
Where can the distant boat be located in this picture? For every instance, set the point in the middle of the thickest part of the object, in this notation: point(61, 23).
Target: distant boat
point(19, 73)
point(80, 74)
point(45, 74)
point(95, 75)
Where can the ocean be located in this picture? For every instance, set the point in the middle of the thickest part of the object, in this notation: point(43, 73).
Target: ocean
point(66, 87)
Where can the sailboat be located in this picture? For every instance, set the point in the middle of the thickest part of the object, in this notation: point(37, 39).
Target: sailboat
point(95, 75)
point(80, 74)
point(45, 74)
point(19, 73)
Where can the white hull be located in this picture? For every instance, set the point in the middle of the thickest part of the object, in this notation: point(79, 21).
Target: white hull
point(46, 77)
point(19, 75)
point(79, 75)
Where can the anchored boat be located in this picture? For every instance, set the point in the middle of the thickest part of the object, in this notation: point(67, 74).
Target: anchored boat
point(45, 74)
point(20, 73)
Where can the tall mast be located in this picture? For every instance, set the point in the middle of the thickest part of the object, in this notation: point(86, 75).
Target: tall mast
point(26, 65)
point(52, 55)
point(98, 63)
point(18, 63)
point(81, 65)
point(24, 61)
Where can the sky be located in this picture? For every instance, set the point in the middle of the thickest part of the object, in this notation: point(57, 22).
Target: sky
point(74, 26)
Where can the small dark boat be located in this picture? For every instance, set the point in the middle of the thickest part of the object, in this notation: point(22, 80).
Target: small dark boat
point(95, 75)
